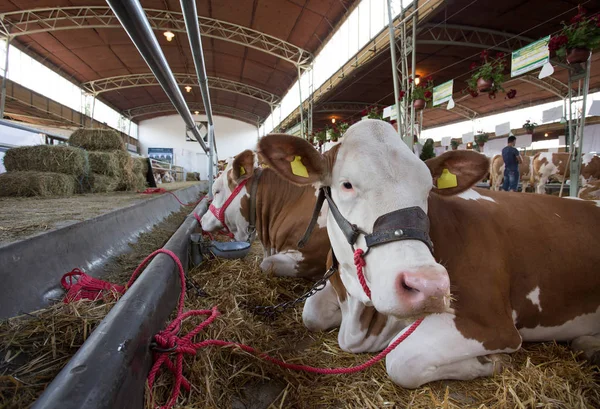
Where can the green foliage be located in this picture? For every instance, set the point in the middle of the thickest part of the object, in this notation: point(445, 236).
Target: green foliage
point(482, 138)
point(581, 32)
point(427, 152)
point(337, 130)
point(423, 91)
point(529, 126)
point(454, 143)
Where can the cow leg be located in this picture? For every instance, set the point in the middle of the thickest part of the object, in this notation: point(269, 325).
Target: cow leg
point(437, 350)
point(322, 311)
point(541, 185)
point(524, 185)
point(589, 345)
point(283, 264)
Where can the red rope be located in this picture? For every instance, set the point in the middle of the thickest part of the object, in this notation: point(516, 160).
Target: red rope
point(154, 190)
point(81, 286)
point(359, 262)
point(210, 236)
point(169, 338)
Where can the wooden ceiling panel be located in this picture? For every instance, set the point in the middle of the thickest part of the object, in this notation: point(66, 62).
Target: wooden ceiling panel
point(275, 20)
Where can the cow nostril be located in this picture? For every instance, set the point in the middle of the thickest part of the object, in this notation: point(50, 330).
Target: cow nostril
point(406, 286)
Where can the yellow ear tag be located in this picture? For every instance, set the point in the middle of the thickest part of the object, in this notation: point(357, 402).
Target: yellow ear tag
point(242, 171)
point(446, 180)
point(264, 166)
point(298, 167)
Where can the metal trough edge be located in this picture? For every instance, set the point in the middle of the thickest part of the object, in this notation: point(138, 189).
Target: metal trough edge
point(31, 269)
point(109, 371)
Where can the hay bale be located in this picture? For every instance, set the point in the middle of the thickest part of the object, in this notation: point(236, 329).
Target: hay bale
point(104, 163)
point(139, 182)
point(47, 158)
point(102, 183)
point(126, 174)
point(191, 176)
point(97, 140)
point(140, 165)
point(28, 183)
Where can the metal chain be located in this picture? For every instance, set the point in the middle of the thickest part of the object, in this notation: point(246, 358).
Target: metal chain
point(271, 311)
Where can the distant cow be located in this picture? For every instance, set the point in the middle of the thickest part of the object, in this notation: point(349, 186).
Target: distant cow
point(548, 165)
point(497, 172)
point(591, 191)
point(409, 238)
point(283, 210)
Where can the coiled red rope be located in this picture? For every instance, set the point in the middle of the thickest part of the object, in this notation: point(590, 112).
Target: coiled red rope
point(360, 263)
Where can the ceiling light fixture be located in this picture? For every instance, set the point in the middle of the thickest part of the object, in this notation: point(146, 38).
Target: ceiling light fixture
point(417, 79)
point(169, 35)
point(546, 135)
point(188, 88)
point(196, 112)
point(333, 120)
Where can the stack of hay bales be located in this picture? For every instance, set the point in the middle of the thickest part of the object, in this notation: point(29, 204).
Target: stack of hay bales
point(43, 170)
point(111, 167)
point(140, 171)
point(192, 176)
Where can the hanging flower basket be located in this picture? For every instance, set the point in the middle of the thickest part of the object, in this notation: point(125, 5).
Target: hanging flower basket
point(422, 93)
point(577, 39)
point(484, 85)
point(578, 55)
point(419, 104)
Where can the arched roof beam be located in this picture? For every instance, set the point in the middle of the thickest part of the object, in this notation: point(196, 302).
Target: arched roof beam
point(28, 22)
point(343, 106)
point(549, 84)
point(143, 80)
point(165, 107)
point(467, 36)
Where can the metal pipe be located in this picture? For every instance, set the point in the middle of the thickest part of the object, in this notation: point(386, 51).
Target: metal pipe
point(133, 19)
point(301, 109)
point(93, 108)
point(394, 69)
point(4, 79)
point(576, 165)
point(211, 159)
point(414, 72)
point(190, 15)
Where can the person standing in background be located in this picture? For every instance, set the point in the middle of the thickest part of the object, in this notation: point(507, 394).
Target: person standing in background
point(511, 158)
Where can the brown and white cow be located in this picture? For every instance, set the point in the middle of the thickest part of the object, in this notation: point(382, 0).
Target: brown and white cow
point(548, 165)
point(499, 298)
point(591, 191)
point(497, 172)
point(283, 210)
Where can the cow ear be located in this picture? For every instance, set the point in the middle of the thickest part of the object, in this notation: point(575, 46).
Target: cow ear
point(243, 166)
point(454, 172)
point(293, 159)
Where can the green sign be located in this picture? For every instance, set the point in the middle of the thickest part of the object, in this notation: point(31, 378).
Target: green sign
point(442, 93)
point(530, 57)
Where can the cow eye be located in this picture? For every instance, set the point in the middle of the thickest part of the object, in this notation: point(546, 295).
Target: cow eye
point(347, 185)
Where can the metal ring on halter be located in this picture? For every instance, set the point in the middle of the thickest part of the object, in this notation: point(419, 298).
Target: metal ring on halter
point(154, 347)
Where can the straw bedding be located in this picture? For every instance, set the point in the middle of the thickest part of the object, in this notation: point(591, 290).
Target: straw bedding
point(97, 140)
point(43, 184)
point(192, 176)
point(540, 375)
point(47, 158)
point(35, 347)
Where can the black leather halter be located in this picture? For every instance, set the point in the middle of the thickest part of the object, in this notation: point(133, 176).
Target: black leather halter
point(410, 223)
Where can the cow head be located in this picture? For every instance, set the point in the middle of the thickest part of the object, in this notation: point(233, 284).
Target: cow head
point(239, 169)
point(372, 173)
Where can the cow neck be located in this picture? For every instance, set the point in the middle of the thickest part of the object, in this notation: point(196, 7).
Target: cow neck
point(410, 223)
point(253, 193)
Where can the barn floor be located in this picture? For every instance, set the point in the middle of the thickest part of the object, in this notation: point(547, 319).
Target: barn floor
point(35, 347)
point(24, 217)
point(540, 375)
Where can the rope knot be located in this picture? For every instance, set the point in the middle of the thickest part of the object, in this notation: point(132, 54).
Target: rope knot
point(360, 263)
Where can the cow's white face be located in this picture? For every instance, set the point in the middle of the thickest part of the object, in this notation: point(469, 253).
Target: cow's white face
point(375, 173)
point(222, 189)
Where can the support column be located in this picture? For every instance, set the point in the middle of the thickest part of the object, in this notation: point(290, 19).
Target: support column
point(211, 165)
point(413, 75)
point(300, 92)
point(394, 70)
point(578, 150)
point(93, 108)
point(4, 79)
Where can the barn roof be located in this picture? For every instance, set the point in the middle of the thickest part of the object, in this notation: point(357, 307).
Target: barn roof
point(253, 49)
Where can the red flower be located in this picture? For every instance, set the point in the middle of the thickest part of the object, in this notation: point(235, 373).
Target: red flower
point(410, 80)
point(576, 19)
point(484, 55)
point(473, 93)
point(557, 42)
point(402, 93)
point(363, 112)
point(511, 94)
point(427, 94)
point(581, 10)
point(499, 55)
point(429, 79)
point(473, 66)
point(492, 95)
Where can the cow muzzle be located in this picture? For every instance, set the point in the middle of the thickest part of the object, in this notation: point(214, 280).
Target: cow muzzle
point(425, 290)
